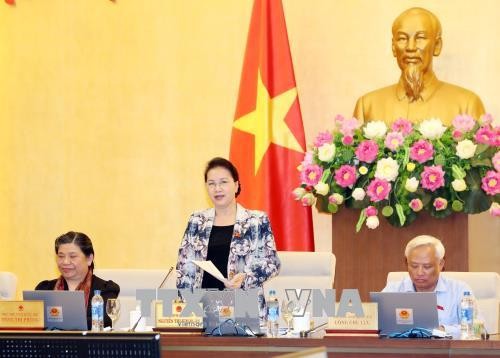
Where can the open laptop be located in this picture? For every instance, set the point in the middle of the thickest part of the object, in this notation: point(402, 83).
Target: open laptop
point(220, 318)
point(64, 310)
point(402, 311)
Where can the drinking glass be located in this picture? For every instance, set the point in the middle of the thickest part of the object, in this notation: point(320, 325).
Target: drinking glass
point(287, 309)
point(113, 310)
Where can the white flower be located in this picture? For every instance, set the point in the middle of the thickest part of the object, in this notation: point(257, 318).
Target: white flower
point(308, 199)
point(387, 169)
point(375, 129)
point(432, 128)
point(358, 194)
point(459, 185)
point(466, 149)
point(321, 188)
point(298, 193)
point(336, 198)
point(372, 222)
point(326, 152)
point(411, 184)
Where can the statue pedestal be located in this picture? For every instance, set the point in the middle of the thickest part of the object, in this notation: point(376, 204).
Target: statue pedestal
point(365, 258)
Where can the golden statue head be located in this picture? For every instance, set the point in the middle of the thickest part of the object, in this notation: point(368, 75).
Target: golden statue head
point(416, 38)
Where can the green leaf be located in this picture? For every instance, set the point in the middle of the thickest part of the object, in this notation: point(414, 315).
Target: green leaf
point(440, 160)
point(361, 220)
point(481, 148)
point(401, 214)
point(476, 201)
point(476, 162)
point(457, 205)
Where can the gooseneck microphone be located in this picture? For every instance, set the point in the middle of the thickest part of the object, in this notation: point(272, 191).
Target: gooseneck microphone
point(165, 279)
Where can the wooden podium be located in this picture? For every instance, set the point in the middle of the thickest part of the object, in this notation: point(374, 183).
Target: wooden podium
point(365, 258)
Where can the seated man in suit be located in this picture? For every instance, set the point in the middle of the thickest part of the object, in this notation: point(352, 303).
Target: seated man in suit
point(425, 260)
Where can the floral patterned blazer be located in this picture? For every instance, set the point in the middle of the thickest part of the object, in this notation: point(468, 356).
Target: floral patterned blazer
point(252, 249)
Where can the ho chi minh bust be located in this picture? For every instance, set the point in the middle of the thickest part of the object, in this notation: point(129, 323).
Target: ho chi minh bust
point(419, 95)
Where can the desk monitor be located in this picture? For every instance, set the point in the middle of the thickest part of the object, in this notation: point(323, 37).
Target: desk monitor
point(64, 310)
point(402, 311)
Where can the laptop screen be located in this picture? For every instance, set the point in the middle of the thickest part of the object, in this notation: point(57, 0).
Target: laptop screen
point(402, 311)
point(64, 310)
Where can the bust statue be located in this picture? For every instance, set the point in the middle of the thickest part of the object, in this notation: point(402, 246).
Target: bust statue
point(419, 95)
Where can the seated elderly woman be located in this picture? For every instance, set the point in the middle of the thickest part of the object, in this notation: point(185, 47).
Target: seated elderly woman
point(75, 261)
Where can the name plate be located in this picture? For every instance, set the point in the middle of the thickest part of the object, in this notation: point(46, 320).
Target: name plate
point(176, 321)
point(367, 323)
point(21, 315)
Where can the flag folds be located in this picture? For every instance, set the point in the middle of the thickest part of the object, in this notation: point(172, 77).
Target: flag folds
point(267, 141)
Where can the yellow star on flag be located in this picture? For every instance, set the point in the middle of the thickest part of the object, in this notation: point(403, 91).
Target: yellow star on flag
point(267, 121)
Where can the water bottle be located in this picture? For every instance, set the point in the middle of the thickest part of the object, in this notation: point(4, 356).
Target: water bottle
point(97, 312)
point(273, 314)
point(466, 316)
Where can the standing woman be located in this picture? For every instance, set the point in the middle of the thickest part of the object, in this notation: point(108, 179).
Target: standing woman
point(238, 241)
point(75, 261)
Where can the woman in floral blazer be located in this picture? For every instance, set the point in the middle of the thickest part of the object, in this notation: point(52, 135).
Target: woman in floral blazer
point(229, 232)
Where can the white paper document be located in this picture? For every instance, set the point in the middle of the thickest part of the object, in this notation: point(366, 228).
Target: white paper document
point(209, 267)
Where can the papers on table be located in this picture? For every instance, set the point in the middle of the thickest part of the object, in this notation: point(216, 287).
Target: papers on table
point(209, 267)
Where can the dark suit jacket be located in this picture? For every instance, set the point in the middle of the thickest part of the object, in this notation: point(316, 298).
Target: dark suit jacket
point(109, 289)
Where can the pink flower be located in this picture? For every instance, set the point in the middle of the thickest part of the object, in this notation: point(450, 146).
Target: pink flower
point(347, 140)
point(323, 138)
point(421, 151)
point(348, 126)
point(378, 190)
point(311, 174)
point(495, 142)
point(367, 151)
point(345, 176)
point(416, 205)
point(403, 126)
point(496, 161)
point(393, 140)
point(495, 209)
point(432, 177)
point(463, 123)
point(371, 211)
point(486, 119)
point(457, 134)
point(440, 204)
point(485, 135)
point(491, 183)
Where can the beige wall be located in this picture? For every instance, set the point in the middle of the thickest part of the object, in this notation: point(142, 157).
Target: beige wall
point(109, 111)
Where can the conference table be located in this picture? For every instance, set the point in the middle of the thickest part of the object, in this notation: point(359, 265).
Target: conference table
point(152, 344)
point(173, 345)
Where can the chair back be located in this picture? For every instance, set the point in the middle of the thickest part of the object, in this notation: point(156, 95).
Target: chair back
point(8, 285)
point(129, 281)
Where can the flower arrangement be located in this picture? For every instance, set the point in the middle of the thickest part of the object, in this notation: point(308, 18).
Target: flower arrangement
point(403, 170)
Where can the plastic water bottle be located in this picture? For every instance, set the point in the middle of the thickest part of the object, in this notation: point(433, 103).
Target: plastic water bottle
point(97, 312)
point(467, 316)
point(273, 314)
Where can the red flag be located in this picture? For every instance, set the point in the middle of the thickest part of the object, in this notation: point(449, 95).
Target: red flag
point(267, 142)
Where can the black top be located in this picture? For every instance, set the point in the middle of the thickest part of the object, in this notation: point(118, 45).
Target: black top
point(218, 252)
point(109, 289)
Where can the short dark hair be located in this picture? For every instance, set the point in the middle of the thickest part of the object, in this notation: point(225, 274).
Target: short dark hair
point(79, 239)
point(219, 162)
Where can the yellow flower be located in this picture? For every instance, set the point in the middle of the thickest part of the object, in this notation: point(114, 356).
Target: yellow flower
point(410, 167)
point(363, 170)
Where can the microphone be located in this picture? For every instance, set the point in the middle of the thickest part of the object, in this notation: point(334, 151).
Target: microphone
point(165, 279)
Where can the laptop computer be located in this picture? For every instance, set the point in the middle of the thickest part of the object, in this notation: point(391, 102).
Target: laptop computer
point(64, 310)
point(221, 319)
point(402, 311)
